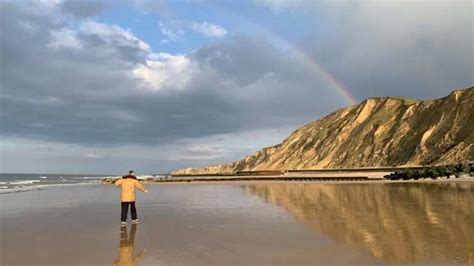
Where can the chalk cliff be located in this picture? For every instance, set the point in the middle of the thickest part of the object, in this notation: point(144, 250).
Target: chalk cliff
point(384, 131)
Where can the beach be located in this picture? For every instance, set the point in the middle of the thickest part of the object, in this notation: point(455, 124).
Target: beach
point(240, 224)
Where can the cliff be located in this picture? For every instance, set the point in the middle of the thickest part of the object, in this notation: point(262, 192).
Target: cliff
point(384, 131)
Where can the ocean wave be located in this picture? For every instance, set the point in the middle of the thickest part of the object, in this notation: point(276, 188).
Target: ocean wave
point(91, 177)
point(5, 190)
point(43, 177)
point(24, 182)
point(3, 183)
point(17, 189)
point(86, 178)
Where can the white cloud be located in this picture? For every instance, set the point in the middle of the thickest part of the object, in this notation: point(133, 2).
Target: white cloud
point(176, 30)
point(164, 69)
point(50, 3)
point(280, 5)
point(208, 29)
point(115, 33)
point(111, 34)
point(199, 152)
point(205, 148)
point(92, 156)
point(64, 39)
point(172, 31)
point(193, 157)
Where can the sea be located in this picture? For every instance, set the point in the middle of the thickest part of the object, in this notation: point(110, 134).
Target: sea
point(11, 183)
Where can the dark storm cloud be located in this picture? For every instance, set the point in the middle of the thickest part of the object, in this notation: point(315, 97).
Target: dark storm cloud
point(413, 49)
point(255, 59)
point(82, 8)
point(79, 87)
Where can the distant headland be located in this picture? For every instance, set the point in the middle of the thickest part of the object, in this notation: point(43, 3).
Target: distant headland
point(378, 132)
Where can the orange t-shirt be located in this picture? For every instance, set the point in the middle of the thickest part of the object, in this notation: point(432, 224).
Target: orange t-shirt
point(128, 188)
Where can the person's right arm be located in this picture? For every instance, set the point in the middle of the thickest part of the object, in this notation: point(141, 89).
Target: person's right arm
point(119, 182)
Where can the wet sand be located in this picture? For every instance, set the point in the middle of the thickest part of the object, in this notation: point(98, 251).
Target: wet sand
point(420, 223)
point(180, 224)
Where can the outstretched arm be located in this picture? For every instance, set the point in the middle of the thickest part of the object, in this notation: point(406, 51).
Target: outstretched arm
point(140, 186)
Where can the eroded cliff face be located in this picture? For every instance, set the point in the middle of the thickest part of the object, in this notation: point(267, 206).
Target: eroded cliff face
point(377, 132)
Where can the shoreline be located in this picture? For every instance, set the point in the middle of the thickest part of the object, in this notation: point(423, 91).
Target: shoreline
point(178, 225)
point(239, 180)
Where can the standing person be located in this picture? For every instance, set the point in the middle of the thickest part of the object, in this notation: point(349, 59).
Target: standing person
point(128, 184)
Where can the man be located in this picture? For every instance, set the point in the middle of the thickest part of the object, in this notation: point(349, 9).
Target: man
point(128, 184)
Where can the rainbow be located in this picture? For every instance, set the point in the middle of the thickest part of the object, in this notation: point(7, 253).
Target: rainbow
point(311, 62)
point(301, 54)
point(341, 89)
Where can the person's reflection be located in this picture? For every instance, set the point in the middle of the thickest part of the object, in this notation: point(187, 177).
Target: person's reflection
point(126, 249)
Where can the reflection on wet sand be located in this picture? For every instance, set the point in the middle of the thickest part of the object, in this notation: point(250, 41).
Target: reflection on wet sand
point(126, 248)
point(396, 222)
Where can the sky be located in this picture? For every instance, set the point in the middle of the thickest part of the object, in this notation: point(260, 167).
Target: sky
point(101, 87)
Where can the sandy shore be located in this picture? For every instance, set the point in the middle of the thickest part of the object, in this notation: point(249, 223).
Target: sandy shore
point(179, 225)
point(236, 223)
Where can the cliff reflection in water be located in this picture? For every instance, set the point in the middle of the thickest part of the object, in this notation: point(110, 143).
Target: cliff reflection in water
point(397, 222)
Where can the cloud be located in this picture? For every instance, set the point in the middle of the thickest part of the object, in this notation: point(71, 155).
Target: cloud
point(173, 31)
point(64, 39)
point(176, 30)
point(39, 156)
point(101, 85)
point(208, 29)
point(88, 87)
point(91, 156)
point(198, 152)
point(113, 35)
point(159, 7)
point(83, 8)
point(165, 70)
point(400, 48)
point(278, 6)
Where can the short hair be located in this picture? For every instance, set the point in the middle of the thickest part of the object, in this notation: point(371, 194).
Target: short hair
point(130, 171)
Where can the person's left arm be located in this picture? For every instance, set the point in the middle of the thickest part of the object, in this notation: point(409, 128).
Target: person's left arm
point(140, 186)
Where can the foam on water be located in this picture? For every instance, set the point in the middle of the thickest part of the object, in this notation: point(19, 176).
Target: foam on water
point(11, 183)
point(23, 182)
point(6, 190)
